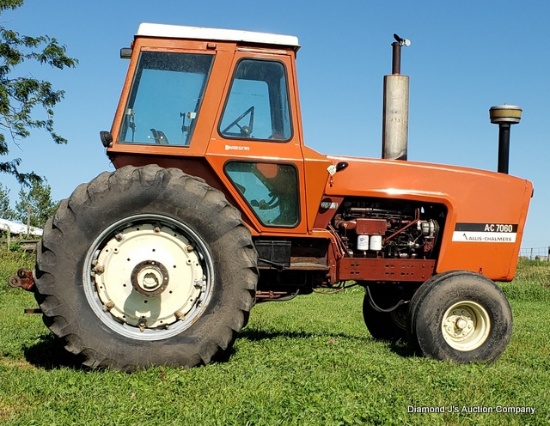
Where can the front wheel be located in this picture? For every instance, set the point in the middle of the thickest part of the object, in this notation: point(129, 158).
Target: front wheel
point(146, 266)
point(461, 317)
point(384, 313)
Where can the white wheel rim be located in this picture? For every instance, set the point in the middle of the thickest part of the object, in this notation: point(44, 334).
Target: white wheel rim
point(148, 277)
point(466, 326)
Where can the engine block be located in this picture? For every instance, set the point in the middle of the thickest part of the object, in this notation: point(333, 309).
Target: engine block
point(389, 228)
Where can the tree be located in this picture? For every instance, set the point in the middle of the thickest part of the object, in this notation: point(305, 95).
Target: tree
point(35, 206)
point(23, 98)
point(5, 210)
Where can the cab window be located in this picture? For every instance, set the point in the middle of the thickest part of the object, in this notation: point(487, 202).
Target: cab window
point(165, 98)
point(270, 189)
point(257, 106)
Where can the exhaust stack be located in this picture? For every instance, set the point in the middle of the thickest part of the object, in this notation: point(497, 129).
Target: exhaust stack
point(504, 116)
point(395, 114)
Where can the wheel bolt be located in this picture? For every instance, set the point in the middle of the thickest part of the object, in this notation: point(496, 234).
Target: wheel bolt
point(109, 305)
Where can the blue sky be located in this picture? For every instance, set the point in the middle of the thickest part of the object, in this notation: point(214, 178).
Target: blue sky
point(465, 57)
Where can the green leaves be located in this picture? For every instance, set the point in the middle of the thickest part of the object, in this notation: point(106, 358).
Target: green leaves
point(6, 211)
point(27, 103)
point(35, 205)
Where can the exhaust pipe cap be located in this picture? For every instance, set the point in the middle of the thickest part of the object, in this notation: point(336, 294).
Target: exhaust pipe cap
point(505, 114)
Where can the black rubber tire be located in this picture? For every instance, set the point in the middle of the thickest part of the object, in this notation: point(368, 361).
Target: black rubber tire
point(390, 326)
point(150, 192)
point(432, 302)
point(413, 305)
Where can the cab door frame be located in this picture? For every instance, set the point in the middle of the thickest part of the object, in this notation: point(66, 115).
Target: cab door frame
point(222, 150)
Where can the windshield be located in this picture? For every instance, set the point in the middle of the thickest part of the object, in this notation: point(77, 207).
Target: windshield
point(165, 98)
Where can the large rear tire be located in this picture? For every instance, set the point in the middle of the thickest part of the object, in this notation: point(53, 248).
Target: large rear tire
point(146, 266)
point(460, 316)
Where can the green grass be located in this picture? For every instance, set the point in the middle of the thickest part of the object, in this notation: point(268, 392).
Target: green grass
point(310, 361)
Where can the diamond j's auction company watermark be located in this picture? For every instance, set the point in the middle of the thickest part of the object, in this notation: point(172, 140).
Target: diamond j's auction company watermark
point(455, 409)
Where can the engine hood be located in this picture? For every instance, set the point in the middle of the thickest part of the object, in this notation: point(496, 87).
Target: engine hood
point(416, 180)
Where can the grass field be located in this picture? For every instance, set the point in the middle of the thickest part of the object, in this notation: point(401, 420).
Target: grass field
point(309, 361)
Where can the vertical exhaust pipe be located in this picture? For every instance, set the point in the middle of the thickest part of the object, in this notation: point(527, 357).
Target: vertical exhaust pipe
point(504, 116)
point(395, 114)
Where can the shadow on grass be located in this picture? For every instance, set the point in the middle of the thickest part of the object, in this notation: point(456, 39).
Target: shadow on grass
point(400, 347)
point(49, 353)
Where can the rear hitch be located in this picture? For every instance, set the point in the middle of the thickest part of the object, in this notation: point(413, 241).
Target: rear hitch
point(23, 279)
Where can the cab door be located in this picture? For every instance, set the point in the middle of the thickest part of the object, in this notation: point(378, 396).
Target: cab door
point(256, 146)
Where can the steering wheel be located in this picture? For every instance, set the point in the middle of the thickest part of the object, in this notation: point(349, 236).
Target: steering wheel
point(244, 130)
point(266, 205)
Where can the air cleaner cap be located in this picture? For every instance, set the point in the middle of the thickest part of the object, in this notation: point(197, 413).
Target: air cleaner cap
point(505, 114)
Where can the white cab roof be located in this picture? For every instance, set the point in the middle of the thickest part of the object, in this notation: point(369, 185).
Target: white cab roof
point(201, 33)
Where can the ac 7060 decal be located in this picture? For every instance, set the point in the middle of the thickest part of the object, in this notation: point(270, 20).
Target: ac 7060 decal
point(485, 232)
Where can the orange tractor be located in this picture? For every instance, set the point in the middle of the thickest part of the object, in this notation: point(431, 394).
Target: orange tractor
point(216, 204)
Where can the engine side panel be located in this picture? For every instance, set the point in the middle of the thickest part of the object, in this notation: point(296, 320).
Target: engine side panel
point(479, 216)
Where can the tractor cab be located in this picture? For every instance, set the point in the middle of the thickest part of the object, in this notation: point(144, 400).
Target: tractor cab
point(222, 105)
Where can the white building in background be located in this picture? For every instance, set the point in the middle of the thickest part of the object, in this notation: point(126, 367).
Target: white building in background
point(17, 228)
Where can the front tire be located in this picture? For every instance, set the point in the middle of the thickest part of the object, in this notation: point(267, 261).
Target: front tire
point(461, 317)
point(146, 266)
point(390, 326)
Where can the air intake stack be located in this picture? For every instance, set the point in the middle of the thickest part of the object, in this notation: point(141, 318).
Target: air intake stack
point(504, 116)
point(395, 119)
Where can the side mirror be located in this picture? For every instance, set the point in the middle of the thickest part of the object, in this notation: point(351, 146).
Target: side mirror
point(106, 138)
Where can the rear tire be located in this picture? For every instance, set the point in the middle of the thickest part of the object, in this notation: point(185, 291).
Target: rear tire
point(460, 316)
point(146, 266)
